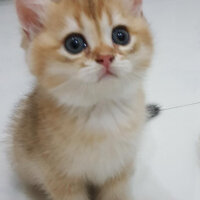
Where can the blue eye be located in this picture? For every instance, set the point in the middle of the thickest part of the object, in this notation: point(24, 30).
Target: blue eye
point(75, 43)
point(120, 35)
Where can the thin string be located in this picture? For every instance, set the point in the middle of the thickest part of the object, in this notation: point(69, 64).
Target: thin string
point(181, 106)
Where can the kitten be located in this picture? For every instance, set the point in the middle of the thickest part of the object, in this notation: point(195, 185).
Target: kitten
point(77, 129)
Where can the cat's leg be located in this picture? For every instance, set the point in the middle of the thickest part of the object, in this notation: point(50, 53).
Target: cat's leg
point(62, 188)
point(118, 188)
point(34, 192)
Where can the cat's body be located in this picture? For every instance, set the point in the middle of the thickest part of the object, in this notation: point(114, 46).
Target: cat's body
point(81, 122)
point(93, 144)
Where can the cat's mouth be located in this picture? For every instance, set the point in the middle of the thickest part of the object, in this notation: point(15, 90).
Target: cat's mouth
point(107, 74)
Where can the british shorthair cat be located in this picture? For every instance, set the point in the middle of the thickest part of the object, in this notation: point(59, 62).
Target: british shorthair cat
point(77, 129)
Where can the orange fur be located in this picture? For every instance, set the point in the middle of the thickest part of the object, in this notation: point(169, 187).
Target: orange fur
point(75, 131)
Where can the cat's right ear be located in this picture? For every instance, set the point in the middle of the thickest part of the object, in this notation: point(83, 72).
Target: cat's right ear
point(31, 14)
point(135, 6)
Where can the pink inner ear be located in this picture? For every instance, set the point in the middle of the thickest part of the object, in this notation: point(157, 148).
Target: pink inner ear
point(29, 19)
point(137, 7)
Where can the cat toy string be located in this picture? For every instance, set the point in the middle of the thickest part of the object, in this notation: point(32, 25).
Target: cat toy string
point(181, 106)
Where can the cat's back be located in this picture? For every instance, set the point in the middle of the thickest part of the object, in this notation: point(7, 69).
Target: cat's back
point(25, 119)
point(34, 117)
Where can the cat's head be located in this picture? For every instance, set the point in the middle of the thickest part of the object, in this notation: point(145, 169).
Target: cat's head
point(86, 51)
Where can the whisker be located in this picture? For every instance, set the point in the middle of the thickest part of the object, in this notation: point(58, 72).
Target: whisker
point(90, 70)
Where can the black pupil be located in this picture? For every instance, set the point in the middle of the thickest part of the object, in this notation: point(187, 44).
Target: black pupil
point(75, 43)
point(120, 35)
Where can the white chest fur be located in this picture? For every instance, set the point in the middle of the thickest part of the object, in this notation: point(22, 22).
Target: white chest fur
point(100, 159)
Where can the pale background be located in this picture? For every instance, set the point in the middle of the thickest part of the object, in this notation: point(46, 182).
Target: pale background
point(168, 166)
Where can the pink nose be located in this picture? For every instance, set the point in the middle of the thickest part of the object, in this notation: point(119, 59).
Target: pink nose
point(105, 60)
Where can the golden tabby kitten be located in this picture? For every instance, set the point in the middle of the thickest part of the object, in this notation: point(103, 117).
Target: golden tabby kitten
point(77, 129)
